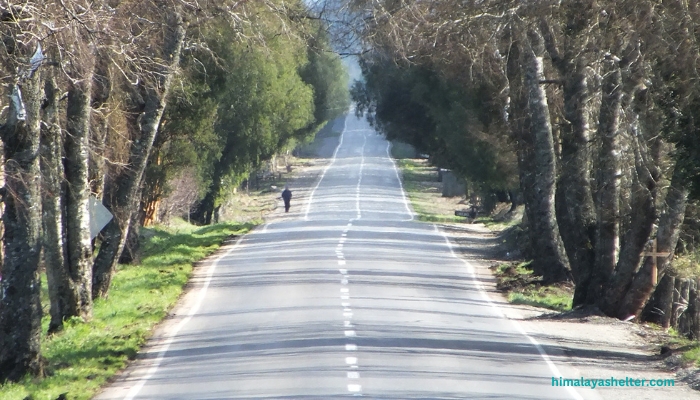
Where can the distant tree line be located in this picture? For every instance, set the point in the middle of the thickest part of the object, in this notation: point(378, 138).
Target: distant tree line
point(587, 108)
point(119, 99)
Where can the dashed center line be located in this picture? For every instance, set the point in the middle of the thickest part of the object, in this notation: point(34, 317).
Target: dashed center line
point(359, 180)
point(351, 361)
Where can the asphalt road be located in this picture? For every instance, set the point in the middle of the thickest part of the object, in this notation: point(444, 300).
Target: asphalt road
point(350, 297)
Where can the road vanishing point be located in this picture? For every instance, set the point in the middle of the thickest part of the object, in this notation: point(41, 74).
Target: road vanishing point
point(349, 297)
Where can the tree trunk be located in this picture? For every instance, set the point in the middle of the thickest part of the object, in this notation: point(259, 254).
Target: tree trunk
point(676, 302)
point(205, 210)
point(20, 306)
point(608, 180)
point(660, 307)
point(101, 91)
point(575, 207)
point(78, 241)
point(574, 201)
point(635, 239)
point(538, 163)
point(144, 123)
point(61, 288)
point(689, 326)
point(667, 235)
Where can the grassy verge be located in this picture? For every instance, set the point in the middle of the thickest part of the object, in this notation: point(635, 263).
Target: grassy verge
point(523, 287)
point(85, 355)
point(514, 279)
point(691, 353)
point(420, 181)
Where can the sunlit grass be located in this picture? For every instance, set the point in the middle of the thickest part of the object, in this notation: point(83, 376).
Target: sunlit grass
point(86, 354)
point(551, 297)
point(421, 185)
point(523, 287)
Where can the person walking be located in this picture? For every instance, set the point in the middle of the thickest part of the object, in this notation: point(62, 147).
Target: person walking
point(287, 197)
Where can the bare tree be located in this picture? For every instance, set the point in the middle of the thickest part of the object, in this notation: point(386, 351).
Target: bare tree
point(601, 57)
point(146, 101)
point(20, 306)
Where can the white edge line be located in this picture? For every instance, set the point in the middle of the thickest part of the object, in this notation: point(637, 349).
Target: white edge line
point(335, 153)
point(552, 367)
point(171, 335)
point(403, 192)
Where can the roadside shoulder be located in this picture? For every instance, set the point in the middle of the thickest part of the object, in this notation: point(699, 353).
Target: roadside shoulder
point(588, 346)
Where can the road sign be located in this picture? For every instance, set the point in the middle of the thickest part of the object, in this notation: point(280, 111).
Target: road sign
point(99, 217)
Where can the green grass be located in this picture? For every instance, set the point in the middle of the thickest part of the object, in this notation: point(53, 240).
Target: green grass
point(689, 349)
point(85, 355)
point(523, 287)
point(551, 297)
point(687, 265)
point(496, 225)
point(692, 355)
point(420, 183)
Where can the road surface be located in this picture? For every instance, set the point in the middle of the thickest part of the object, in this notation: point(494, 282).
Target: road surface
point(347, 298)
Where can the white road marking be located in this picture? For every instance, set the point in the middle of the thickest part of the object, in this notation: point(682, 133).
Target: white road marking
point(170, 336)
point(343, 270)
point(343, 281)
point(351, 360)
point(553, 368)
point(353, 375)
point(341, 262)
point(323, 174)
point(348, 324)
point(359, 180)
point(345, 297)
point(353, 334)
point(350, 347)
point(345, 304)
point(344, 290)
point(354, 388)
point(403, 193)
